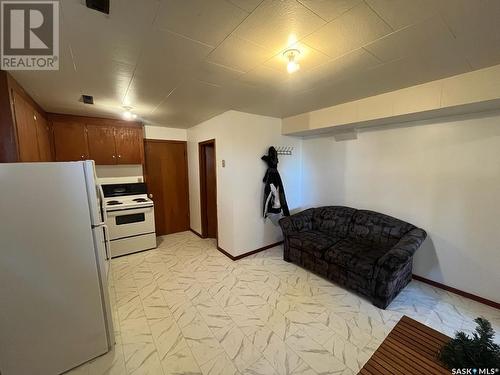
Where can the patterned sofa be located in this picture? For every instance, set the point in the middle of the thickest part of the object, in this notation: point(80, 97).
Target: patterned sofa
point(368, 252)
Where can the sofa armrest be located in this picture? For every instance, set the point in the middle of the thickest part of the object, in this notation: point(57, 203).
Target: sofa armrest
point(297, 223)
point(403, 251)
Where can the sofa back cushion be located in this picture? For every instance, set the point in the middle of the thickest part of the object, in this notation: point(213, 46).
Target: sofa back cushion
point(334, 220)
point(377, 229)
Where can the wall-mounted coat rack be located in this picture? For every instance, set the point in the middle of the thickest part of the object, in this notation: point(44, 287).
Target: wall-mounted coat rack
point(284, 150)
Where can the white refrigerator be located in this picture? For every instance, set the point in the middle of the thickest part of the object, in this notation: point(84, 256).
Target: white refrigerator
point(54, 304)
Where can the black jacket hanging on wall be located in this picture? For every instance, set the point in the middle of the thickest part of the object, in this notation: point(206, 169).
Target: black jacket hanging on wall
point(274, 193)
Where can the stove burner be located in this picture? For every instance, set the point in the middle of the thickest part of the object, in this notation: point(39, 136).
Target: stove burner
point(140, 200)
point(113, 203)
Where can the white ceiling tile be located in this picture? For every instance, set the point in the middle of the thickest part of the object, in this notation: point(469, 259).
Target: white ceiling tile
point(476, 27)
point(401, 13)
point(125, 53)
point(108, 84)
point(206, 21)
point(352, 30)
point(169, 54)
point(264, 76)
point(178, 107)
point(215, 73)
point(424, 38)
point(337, 69)
point(145, 93)
point(247, 5)
point(329, 9)
point(239, 54)
point(117, 37)
point(308, 58)
point(277, 24)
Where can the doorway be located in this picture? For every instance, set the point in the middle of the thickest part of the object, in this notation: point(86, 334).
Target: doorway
point(167, 180)
point(208, 188)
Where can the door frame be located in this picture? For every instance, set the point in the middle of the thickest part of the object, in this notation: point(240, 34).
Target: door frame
point(145, 167)
point(203, 188)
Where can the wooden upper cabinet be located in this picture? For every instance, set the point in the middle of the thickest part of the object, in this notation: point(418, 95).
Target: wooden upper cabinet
point(101, 140)
point(106, 141)
point(70, 141)
point(129, 145)
point(43, 137)
point(26, 129)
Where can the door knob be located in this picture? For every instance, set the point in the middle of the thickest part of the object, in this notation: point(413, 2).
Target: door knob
point(150, 196)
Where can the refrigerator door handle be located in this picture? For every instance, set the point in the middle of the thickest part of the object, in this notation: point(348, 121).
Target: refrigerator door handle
point(103, 209)
point(108, 243)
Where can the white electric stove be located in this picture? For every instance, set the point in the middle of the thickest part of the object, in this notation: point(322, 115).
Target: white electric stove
point(130, 218)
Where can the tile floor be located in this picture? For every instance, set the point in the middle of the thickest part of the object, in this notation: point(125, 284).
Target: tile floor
point(185, 308)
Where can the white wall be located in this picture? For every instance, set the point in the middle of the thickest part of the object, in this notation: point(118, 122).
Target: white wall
point(162, 132)
point(443, 177)
point(116, 174)
point(241, 140)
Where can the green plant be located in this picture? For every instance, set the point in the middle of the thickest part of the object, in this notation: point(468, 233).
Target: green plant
point(472, 352)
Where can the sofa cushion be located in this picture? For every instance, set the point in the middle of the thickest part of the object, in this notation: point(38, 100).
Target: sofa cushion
point(377, 229)
point(334, 220)
point(357, 257)
point(313, 242)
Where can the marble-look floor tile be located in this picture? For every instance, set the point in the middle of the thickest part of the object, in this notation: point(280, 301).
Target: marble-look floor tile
point(315, 355)
point(186, 309)
point(260, 367)
point(220, 365)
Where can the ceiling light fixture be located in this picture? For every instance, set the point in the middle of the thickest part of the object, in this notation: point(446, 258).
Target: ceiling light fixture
point(291, 56)
point(128, 115)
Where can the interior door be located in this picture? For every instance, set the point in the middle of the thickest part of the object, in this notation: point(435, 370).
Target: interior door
point(70, 141)
point(208, 189)
point(167, 180)
point(101, 140)
point(129, 145)
point(43, 137)
point(26, 129)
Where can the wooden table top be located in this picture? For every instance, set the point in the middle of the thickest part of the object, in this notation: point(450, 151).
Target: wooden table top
point(410, 348)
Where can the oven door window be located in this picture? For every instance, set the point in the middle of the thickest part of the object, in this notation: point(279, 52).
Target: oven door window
point(129, 219)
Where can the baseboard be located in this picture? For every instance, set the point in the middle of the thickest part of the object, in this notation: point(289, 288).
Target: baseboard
point(248, 253)
point(195, 232)
point(242, 255)
point(473, 297)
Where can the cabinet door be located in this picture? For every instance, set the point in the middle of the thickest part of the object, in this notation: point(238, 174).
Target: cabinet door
point(70, 141)
point(43, 137)
point(129, 145)
point(26, 130)
point(101, 140)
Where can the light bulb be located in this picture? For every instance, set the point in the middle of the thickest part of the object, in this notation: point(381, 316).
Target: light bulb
point(292, 66)
point(127, 115)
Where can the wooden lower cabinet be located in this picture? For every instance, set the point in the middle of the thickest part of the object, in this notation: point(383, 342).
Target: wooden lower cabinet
point(70, 141)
